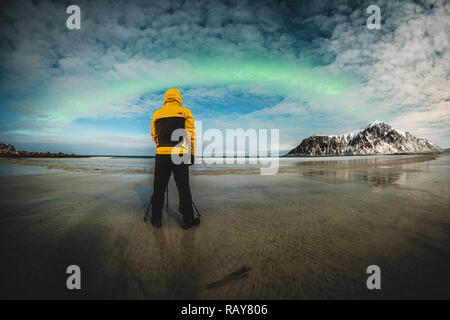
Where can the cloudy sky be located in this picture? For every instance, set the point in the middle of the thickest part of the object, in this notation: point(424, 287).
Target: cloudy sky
point(304, 67)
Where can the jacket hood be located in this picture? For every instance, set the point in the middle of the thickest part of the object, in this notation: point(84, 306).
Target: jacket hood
point(172, 95)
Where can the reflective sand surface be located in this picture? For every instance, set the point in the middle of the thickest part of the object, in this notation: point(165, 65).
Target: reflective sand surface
point(308, 232)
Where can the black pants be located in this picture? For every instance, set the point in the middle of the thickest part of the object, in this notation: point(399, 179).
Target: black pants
point(163, 167)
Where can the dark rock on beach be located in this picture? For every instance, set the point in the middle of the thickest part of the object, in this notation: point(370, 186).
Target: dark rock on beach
point(8, 151)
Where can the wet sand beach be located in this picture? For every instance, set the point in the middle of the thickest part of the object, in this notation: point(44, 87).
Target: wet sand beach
point(308, 232)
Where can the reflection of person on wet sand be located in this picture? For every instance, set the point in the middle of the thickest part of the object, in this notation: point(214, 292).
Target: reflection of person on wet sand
point(181, 277)
point(172, 116)
point(190, 280)
point(161, 243)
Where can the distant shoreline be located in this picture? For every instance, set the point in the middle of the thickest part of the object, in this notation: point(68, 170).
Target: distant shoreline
point(28, 154)
point(40, 155)
point(366, 155)
point(8, 151)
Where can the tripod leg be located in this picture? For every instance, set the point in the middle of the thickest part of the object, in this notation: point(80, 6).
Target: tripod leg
point(148, 209)
point(195, 207)
point(167, 200)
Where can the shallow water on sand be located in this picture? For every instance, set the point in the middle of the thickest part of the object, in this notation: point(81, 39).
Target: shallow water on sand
point(144, 165)
point(308, 232)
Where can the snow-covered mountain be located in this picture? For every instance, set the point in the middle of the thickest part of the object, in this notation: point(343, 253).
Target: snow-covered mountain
point(375, 138)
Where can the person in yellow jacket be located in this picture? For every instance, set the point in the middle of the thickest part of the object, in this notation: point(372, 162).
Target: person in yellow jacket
point(174, 153)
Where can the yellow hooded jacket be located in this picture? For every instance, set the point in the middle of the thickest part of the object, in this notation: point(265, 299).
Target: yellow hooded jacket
point(170, 117)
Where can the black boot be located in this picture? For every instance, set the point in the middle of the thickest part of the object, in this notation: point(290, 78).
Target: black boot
point(156, 222)
point(194, 222)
